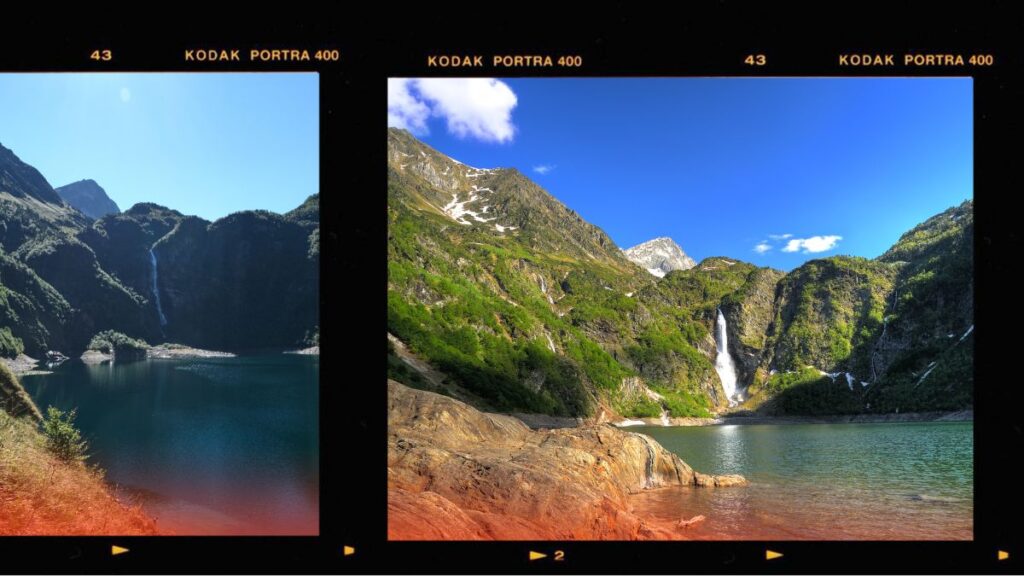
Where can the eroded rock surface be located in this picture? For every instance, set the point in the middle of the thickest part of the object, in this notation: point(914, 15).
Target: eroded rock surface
point(457, 473)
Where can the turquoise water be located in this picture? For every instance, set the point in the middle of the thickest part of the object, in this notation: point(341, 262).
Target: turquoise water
point(900, 481)
point(207, 446)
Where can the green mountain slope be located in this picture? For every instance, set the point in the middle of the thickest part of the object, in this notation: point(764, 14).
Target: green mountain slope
point(523, 303)
point(897, 330)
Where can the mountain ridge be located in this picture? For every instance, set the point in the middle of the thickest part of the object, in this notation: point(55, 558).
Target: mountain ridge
point(65, 276)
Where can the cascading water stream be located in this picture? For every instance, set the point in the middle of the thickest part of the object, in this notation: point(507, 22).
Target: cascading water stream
point(724, 364)
point(156, 290)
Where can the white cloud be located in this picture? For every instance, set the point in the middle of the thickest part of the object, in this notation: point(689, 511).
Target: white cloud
point(812, 244)
point(478, 108)
point(780, 236)
point(543, 168)
point(126, 94)
point(404, 110)
point(762, 247)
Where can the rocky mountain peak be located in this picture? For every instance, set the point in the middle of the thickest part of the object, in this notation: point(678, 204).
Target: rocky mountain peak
point(494, 202)
point(88, 198)
point(408, 155)
point(660, 256)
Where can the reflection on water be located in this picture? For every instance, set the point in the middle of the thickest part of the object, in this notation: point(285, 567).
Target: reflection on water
point(824, 482)
point(208, 446)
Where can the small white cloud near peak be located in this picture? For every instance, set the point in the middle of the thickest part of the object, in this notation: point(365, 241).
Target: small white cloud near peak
point(780, 236)
point(813, 244)
point(762, 247)
point(479, 108)
point(543, 168)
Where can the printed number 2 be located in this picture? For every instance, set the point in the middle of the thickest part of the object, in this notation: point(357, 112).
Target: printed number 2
point(101, 55)
point(559, 555)
point(755, 60)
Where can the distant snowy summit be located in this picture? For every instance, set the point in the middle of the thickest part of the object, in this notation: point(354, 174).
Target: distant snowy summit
point(660, 256)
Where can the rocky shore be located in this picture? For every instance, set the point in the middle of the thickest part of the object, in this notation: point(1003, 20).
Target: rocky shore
point(311, 351)
point(162, 351)
point(734, 420)
point(963, 415)
point(179, 351)
point(455, 473)
point(22, 365)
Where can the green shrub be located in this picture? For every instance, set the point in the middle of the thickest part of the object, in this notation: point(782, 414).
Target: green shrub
point(642, 407)
point(118, 344)
point(681, 403)
point(62, 438)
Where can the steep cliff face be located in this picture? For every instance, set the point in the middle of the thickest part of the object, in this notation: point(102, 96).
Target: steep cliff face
point(122, 242)
point(242, 282)
point(828, 314)
point(686, 303)
point(889, 334)
point(927, 351)
point(457, 473)
point(749, 314)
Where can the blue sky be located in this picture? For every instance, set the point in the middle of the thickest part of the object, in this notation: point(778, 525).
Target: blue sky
point(203, 144)
point(775, 171)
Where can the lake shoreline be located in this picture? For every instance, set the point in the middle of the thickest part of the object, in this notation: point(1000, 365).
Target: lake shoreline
point(956, 416)
point(538, 421)
point(878, 481)
point(165, 351)
point(24, 365)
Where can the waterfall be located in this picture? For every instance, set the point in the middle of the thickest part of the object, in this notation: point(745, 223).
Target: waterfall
point(156, 289)
point(724, 364)
point(665, 420)
point(551, 343)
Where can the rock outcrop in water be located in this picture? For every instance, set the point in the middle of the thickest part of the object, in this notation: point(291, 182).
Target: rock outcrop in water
point(457, 473)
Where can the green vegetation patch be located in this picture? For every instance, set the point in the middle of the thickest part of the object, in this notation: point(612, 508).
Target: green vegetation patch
point(121, 346)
